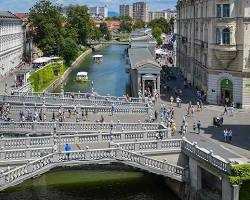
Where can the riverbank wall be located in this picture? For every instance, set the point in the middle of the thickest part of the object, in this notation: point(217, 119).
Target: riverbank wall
point(52, 87)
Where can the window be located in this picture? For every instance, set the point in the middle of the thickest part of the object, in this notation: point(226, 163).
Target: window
point(226, 10)
point(226, 36)
point(223, 10)
point(218, 10)
point(218, 36)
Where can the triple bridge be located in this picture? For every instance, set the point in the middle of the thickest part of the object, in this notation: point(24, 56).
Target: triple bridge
point(134, 144)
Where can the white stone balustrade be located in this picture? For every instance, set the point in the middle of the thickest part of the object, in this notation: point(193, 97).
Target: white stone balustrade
point(78, 138)
point(80, 96)
point(192, 149)
point(19, 99)
point(48, 127)
point(94, 109)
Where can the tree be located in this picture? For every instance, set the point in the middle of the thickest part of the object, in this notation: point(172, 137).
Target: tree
point(70, 50)
point(159, 40)
point(156, 32)
point(139, 24)
point(104, 28)
point(161, 23)
point(126, 26)
point(79, 19)
point(46, 22)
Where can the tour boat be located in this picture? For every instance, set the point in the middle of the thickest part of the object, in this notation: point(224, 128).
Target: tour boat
point(97, 58)
point(82, 76)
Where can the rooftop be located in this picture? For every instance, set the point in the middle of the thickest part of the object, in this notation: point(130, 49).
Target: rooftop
point(7, 14)
point(141, 56)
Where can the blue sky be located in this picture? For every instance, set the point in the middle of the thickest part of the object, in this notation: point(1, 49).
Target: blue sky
point(24, 5)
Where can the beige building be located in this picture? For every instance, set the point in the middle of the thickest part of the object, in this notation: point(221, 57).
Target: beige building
point(213, 47)
point(166, 14)
point(126, 10)
point(140, 11)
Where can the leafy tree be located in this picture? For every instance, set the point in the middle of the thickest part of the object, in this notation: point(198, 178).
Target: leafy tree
point(159, 40)
point(47, 25)
point(108, 36)
point(79, 19)
point(139, 24)
point(70, 50)
point(161, 23)
point(156, 32)
point(126, 26)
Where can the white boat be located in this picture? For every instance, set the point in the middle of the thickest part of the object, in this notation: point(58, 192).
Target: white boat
point(82, 76)
point(97, 58)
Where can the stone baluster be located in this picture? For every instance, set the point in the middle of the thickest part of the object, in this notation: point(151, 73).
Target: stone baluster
point(28, 153)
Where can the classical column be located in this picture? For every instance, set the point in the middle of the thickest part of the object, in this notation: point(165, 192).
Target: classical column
point(143, 87)
point(158, 84)
point(139, 82)
point(155, 90)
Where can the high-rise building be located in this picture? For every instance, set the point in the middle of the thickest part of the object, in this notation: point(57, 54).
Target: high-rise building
point(98, 11)
point(126, 10)
point(11, 42)
point(140, 11)
point(157, 15)
point(213, 46)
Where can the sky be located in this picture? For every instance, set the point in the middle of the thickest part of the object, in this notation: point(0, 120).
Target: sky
point(113, 5)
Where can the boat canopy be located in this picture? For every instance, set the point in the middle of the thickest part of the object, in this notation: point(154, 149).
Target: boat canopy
point(82, 73)
point(97, 56)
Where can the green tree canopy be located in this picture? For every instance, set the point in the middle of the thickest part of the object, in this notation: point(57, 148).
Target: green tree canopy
point(126, 26)
point(162, 23)
point(70, 51)
point(79, 19)
point(47, 25)
point(156, 32)
point(139, 24)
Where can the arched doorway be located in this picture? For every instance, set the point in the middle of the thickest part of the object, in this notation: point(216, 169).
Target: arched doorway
point(226, 91)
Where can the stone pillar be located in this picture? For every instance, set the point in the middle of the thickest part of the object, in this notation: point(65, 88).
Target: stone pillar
point(195, 175)
point(143, 87)
point(155, 90)
point(139, 82)
point(227, 189)
point(158, 84)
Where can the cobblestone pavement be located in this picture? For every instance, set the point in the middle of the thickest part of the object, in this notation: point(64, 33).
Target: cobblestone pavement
point(239, 123)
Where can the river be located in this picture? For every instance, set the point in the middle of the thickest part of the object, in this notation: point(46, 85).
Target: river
point(91, 184)
point(109, 76)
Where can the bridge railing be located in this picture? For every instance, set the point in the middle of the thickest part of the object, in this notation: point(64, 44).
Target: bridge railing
point(45, 163)
point(79, 108)
point(24, 154)
point(48, 127)
point(80, 96)
point(79, 138)
point(19, 99)
point(198, 153)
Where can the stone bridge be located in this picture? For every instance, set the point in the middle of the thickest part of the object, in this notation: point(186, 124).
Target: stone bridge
point(108, 42)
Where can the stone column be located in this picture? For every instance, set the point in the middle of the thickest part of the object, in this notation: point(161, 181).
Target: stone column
point(139, 82)
point(195, 175)
point(155, 90)
point(143, 87)
point(226, 189)
point(158, 84)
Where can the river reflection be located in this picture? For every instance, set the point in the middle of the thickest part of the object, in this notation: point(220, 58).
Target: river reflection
point(91, 185)
point(109, 76)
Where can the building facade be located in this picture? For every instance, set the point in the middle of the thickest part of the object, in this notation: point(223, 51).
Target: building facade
point(140, 11)
point(11, 42)
point(213, 47)
point(98, 11)
point(157, 15)
point(126, 10)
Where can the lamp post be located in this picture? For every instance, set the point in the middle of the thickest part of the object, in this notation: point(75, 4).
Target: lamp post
point(92, 86)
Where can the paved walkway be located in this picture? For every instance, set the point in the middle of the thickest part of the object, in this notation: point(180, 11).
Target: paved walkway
point(238, 123)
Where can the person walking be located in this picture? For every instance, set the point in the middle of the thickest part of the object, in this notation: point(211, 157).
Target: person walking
point(192, 110)
point(225, 110)
point(194, 127)
point(225, 135)
point(44, 117)
point(112, 110)
point(199, 126)
point(171, 100)
point(230, 135)
point(67, 148)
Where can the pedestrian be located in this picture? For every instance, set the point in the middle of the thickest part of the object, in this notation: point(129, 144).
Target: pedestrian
point(225, 110)
point(171, 100)
point(192, 110)
point(67, 148)
point(198, 106)
point(199, 126)
point(44, 117)
point(86, 113)
point(178, 101)
point(230, 135)
point(225, 135)
point(156, 115)
point(53, 116)
point(69, 111)
point(112, 110)
point(194, 127)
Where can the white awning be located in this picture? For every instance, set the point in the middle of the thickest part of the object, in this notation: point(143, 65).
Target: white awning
point(41, 60)
point(97, 56)
point(82, 73)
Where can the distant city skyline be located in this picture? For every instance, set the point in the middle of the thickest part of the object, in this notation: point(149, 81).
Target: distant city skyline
point(113, 5)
